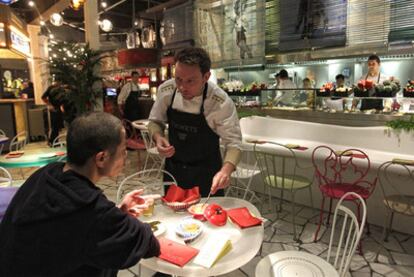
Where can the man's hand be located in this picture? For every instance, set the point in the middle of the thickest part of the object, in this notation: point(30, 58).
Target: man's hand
point(134, 204)
point(222, 178)
point(163, 146)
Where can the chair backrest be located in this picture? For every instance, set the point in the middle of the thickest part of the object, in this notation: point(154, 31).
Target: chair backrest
point(345, 238)
point(18, 142)
point(350, 166)
point(247, 167)
point(149, 143)
point(148, 179)
point(5, 178)
point(276, 160)
point(59, 141)
point(396, 182)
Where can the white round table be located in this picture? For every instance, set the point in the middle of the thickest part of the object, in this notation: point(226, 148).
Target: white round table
point(294, 264)
point(246, 242)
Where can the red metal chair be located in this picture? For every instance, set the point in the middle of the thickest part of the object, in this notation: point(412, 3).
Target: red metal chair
point(133, 139)
point(340, 172)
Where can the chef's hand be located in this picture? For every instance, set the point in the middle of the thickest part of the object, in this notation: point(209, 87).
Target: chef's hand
point(222, 178)
point(163, 146)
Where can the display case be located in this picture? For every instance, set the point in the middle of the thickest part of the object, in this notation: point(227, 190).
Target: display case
point(312, 105)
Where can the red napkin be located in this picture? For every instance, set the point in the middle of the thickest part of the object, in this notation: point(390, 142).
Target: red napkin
point(177, 194)
point(14, 154)
point(243, 218)
point(358, 156)
point(175, 252)
point(60, 153)
point(301, 148)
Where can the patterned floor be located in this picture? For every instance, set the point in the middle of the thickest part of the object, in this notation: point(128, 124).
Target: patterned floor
point(400, 246)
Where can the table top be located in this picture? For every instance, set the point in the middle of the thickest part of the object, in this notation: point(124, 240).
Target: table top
point(246, 242)
point(32, 158)
point(293, 264)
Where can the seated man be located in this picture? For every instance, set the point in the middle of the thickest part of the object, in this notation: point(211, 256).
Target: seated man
point(60, 224)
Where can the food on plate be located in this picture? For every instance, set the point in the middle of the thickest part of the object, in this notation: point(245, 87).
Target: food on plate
point(191, 227)
point(154, 225)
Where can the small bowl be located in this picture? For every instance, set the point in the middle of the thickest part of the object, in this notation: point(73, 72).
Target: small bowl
point(197, 211)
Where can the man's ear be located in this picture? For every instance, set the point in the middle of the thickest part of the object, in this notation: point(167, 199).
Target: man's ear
point(206, 76)
point(100, 158)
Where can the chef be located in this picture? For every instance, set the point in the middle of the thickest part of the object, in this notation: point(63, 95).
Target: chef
point(128, 98)
point(198, 114)
point(374, 75)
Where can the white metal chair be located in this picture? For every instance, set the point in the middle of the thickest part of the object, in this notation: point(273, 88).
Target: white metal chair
point(2, 134)
point(395, 181)
point(279, 168)
point(153, 160)
point(5, 178)
point(243, 176)
point(59, 141)
point(149, 179)
point(18, 142)
point(340, 252)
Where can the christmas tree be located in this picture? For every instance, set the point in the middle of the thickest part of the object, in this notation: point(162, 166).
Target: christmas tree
point(76, 67)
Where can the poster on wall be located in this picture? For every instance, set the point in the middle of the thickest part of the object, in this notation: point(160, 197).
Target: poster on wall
point(307, 24)
point(231, 31)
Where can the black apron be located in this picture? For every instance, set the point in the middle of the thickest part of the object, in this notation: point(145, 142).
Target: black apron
point(131, 110)
point(369, 104)
point(197, 149)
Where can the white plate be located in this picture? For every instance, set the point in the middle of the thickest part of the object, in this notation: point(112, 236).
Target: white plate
point(161, 228)
point(47, 156)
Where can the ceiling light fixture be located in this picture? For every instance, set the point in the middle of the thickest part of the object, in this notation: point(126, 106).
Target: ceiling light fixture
point(31, 3)
point(106, 25)
point(56, 19)
point(104, 4)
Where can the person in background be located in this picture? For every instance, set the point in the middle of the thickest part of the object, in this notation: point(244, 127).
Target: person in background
point(285, 97)
point(52, 98)
point(340, 81)
point(277, 81)
point(374, 75)
point(60, 223)
point(199, 114)
point(129, 97)
point(28, 90)
point(308, 93)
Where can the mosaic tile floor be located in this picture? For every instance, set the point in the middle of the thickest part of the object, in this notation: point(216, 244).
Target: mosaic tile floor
point(400, 247)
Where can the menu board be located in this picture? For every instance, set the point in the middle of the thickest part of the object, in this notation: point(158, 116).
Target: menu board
point(19, 41)
point(309, 24)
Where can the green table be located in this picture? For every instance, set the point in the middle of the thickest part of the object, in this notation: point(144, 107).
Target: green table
point(33, 158)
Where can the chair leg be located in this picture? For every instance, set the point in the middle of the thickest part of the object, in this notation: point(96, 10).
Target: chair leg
point(330, 211)
point(270, 198)
point(295, 238)
point(389, 228)
point(311, 197)
point(281, 200)
point(320, 219)
point(366, 220)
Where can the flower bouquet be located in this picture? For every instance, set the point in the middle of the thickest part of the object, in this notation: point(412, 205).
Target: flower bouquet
point(325, 90)
point(388, 88)
point(409, 89)
point(362, 88)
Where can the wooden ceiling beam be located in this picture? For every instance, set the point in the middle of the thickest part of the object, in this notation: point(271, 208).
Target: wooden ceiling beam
point(58, 7)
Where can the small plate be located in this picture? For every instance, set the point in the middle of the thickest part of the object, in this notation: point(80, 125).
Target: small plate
point(189, 229)
point(160, 228)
